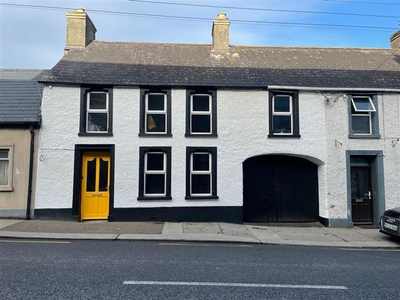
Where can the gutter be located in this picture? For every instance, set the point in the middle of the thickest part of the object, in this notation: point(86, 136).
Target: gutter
point(304, 88)
point(29, 196)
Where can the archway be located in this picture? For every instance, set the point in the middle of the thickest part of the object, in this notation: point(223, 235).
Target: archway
point(280, 188)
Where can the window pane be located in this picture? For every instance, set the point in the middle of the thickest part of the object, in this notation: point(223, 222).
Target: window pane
point(103, 184)
point(201, 123)
point(361, 124)
point(353, 184)
point(98, 101)
point(281, 104)
point(97, 122)
point(155, 162)
point(363, 104)
point(155, 123)
point(201, 184)
point(282, 124)
point(201, 103)
point(201, 162)
point(91, 176)
point(155, 184)
point(155, 102)
point(3, 153)
point(363, 181)
point(3, 172)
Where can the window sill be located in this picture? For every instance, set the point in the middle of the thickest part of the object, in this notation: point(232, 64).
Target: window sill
point(95, 134)
point(284, 136)
point(201, 135)
point(155, 135)
point(155, 198)
point(201, 197)
point(6, 189)
point(364, 136)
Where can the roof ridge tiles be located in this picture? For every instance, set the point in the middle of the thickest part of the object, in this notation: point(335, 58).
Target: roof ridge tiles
point(237, 46)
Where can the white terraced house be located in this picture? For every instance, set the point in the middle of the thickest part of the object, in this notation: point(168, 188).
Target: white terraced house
point(188, 132)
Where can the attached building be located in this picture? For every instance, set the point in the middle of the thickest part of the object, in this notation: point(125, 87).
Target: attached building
point(183, 132)
point(20, 119)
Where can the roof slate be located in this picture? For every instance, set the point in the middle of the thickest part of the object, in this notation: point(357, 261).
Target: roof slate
point(20, 96)
point(137, 64)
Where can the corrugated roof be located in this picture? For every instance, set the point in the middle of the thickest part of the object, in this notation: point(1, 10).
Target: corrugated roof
point(117, 63)
point(20, 96)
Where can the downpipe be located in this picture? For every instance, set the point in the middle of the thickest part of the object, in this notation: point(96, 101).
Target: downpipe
point(29, 197)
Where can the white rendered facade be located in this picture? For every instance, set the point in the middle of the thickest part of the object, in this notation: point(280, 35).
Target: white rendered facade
point(243, 127)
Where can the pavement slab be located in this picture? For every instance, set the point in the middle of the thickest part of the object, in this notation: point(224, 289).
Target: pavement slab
point(87, 227)
point(8, 222)
point(194, 228)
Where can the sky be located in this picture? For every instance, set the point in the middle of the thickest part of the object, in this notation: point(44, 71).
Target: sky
point(34, 37)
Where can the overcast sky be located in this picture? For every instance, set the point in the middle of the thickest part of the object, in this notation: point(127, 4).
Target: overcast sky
point(33, 37)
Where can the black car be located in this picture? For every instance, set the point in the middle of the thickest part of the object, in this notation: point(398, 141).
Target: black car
point(390, 222)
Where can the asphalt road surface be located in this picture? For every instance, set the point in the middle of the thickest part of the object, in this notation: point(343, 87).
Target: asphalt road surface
point(155, 270)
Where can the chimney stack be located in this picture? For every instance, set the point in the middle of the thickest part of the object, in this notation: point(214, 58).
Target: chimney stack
point(220, 33)
point(395, 40)
point(80, 30)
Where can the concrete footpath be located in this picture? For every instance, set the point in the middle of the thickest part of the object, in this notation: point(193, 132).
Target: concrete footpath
point(310, 235)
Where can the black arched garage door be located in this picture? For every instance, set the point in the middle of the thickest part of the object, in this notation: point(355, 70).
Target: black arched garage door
point(280, 188)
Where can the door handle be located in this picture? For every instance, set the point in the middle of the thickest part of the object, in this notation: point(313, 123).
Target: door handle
point(369, 195)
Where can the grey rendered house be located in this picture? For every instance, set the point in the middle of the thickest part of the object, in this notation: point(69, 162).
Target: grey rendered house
point(20, 101)
point(219, 132)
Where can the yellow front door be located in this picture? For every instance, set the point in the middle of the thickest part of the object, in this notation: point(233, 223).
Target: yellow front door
point(95, 186)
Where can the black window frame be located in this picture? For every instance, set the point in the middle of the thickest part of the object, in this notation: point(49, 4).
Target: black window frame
point(213, 94)
point(83, 111)
point(142, 152)
point(374, 117)
point(142, 119)
point(295, 114)
point(213, 152)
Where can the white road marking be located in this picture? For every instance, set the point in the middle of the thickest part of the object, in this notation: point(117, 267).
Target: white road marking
point(30, 241)
point(375, 250)
point(204, 245)
point(228, 284)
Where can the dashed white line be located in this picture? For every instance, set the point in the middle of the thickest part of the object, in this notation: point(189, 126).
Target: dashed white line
point(231, 284)
point(206, 245)
point(371, 250)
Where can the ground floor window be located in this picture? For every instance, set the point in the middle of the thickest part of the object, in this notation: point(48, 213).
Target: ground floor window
point(6, 154)
point(155, 173)
point(201, 172)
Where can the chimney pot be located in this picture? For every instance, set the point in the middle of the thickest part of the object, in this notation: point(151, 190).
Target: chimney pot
point(80, 30)
point(395, 40)
point(220, 33)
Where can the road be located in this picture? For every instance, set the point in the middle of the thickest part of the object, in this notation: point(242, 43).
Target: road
point(151, 270)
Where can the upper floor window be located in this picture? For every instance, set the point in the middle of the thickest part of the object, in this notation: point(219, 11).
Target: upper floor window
point(155, 173)
point(201, 113)
point(283, 115)
point(363, 116)
point(155, 112)
point(6, 159)
point(96, 112)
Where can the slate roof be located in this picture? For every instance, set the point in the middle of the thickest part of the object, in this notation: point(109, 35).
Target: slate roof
point(137, 64)
point(20, 96)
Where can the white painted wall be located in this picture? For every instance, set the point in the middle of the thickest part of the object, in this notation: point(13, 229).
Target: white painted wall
point(242, 133)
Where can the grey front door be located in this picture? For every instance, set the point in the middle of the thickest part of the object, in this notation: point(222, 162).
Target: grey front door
point(361, 195)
